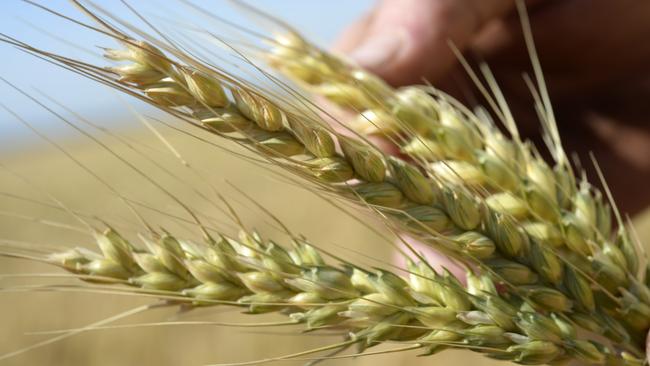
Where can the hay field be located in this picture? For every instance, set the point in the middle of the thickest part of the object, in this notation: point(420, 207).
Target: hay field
point(48, 169)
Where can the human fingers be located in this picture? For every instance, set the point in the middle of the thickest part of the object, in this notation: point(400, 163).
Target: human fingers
point(406, 41)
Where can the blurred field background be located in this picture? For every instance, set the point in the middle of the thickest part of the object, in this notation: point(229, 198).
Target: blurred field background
point(23, 312)
point(50, 171)
point(32, 170)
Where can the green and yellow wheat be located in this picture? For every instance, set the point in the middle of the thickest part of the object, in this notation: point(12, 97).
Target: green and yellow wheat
point(529, 228)
point(427, 310)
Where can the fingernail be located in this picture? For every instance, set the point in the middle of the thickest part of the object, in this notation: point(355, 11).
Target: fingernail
point(379, 49)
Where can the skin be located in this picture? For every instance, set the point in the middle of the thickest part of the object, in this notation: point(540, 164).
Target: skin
point(595, 55)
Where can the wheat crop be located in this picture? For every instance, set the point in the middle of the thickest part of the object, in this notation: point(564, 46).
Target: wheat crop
point(546, 254)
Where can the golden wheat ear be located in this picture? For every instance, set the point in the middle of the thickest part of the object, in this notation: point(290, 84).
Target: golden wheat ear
point(525, 226)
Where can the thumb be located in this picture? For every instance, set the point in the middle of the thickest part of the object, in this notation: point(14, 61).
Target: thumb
point(405, 41)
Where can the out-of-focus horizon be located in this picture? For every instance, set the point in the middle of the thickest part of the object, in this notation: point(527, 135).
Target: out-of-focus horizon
point(321, 21)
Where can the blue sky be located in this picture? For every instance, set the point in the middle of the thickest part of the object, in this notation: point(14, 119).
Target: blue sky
point(320, 20)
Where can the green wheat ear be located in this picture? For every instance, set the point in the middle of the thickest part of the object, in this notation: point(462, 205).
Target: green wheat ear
point(428, 310)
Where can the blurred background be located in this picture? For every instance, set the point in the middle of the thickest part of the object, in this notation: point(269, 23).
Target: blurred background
point(34, 171)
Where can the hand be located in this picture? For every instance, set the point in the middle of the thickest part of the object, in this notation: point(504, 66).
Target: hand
point(595, 55)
